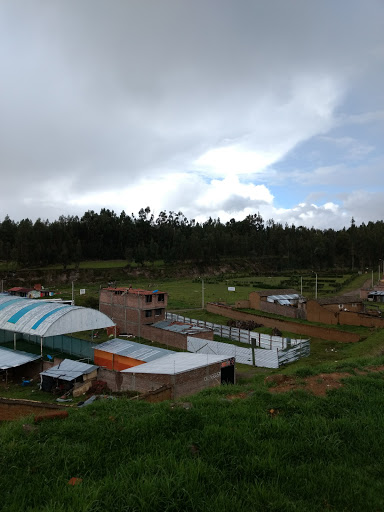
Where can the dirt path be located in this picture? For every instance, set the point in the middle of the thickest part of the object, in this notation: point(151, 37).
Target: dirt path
point(316, 384)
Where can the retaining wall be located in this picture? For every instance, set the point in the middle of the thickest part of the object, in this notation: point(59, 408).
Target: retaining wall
point(286, 325)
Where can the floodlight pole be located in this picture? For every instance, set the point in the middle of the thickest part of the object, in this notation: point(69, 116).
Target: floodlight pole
point(202, 293)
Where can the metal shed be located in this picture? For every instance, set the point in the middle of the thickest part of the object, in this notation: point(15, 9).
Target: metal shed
point(120, 354)
point(66, 374)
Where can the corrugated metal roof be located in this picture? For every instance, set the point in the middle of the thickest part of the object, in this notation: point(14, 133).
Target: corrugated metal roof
point(180, 327)
point(42, 318)
point(132, 349)
point(376, 292)
point(266, 293)
point(178, 362)
point(284, 300)
point(69, 370)
point(12, 358)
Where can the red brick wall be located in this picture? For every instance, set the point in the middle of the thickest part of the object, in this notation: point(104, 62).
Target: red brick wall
point(132, 300)
point(297, 328)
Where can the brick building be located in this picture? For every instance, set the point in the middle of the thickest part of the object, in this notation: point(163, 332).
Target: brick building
point(130, 308)
point(280, 302)
point(142, 313)
point(185, 374)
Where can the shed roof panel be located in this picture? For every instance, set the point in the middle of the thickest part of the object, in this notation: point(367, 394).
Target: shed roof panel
point(178, 362)
point(12, 358)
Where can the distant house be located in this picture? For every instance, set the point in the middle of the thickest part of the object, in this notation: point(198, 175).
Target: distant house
point(142, 313)
point(36, 292)
point(286, 302)
point(20, 291)
point(130, 307)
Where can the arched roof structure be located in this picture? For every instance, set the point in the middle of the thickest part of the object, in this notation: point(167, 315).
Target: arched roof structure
point(41, 318)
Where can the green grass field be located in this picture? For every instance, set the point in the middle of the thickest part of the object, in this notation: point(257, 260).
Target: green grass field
point(221, 454)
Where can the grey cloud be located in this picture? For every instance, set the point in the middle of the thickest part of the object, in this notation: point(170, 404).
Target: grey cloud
point(95, 93)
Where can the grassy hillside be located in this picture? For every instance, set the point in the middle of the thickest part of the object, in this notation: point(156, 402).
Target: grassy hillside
point(233, 448)
point(241, 447)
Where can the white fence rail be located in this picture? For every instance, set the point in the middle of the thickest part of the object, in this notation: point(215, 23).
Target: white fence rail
point(264, 358)
point(240, 335)
point(268, 351)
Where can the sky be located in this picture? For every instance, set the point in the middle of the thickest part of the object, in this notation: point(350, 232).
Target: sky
point(215, 108)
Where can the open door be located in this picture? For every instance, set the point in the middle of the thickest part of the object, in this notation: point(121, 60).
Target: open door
point(228, 372)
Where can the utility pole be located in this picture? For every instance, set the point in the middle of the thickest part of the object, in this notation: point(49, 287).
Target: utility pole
point(202, 293)
point(73, 293)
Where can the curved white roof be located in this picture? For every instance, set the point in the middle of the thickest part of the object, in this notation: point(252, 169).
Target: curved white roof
point(30, 316)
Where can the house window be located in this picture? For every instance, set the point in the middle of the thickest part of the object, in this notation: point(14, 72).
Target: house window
point(148, 313)
point(158, 312)
point(160, 297)
point(148, 298)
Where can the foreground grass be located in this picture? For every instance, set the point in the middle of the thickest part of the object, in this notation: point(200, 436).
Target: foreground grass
point(221, 454)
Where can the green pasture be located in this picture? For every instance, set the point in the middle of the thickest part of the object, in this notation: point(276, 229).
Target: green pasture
point(187, 293)
point(230, 448)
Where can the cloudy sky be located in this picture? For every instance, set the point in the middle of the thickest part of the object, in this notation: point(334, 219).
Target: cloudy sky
point(216, 108)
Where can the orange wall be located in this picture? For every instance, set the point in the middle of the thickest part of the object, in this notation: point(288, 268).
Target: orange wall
point(114, 361)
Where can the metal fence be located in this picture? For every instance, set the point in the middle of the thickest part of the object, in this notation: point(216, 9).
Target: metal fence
point(266, 358)
point(268, 351)
point(241, 335)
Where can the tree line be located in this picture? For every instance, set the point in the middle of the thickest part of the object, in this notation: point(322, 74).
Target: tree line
point(174, 238)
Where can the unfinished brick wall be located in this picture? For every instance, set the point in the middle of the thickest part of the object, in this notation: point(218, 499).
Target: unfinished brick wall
point(297, 328)
point(182, 384)
point(316, 313)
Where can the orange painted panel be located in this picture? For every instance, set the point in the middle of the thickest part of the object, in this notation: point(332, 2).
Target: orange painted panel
point(102, 358)
point(122, 362)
